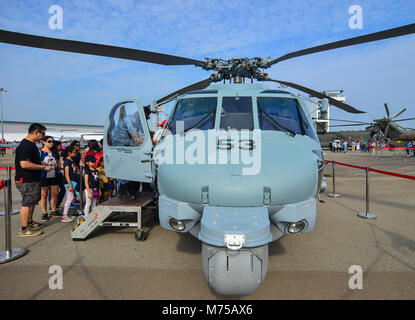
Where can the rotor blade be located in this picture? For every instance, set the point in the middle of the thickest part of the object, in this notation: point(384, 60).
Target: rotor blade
point(381, 35)
point(28, 40)
point(352, 121)
point(399, 113)
point(399, 126)
point(195, 86)
point(319, 95)
point(404, 119)
point(347, 125)
point(387, 110)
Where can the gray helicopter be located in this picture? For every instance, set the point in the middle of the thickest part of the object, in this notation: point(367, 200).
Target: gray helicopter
point(238, 165)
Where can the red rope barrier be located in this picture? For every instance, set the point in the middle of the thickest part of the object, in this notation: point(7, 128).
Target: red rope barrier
point(399, 148)
point(405, 176)
point(393, 174)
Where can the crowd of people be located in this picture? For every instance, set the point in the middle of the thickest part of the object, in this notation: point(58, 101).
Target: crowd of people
point(51, 176)
point(366, 146)
point(362, 145)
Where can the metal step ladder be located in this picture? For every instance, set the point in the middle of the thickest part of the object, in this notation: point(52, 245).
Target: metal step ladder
point(97, 217)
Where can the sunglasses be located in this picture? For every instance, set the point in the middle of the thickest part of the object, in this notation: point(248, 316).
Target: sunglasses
point(49, 141)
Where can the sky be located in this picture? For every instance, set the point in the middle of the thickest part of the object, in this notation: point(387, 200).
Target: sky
point(60, 87)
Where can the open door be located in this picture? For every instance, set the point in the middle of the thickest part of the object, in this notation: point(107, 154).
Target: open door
point(127, 143)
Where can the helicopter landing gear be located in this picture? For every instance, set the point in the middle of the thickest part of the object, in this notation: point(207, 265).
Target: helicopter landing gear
point(140, 235)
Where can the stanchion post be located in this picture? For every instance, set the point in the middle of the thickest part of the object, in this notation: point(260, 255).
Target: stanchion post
point(7, 220)
point(9, 254)
point(3, 213)
point(334, 194)
point(367, 215)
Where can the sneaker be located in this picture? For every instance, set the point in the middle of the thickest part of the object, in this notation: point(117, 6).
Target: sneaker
point(29, 232)
point(66, 219)
point(45, 217)
point(75, 201)
point(73, 205)
point(56, 214)
point(33, 225)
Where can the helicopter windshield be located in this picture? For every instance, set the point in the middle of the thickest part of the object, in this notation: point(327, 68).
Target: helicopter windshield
point(283, 114)
point(193, 113)
point(237, 113)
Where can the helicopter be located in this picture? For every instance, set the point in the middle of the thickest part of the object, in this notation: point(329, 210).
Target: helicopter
point(238, 166)
point(386, 128)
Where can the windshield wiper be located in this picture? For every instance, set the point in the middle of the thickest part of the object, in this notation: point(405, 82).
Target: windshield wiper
point(276, 123)
point(200, 121)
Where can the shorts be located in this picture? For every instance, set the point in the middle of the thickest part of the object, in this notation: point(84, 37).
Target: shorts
point(47, 182)
point(30, 192)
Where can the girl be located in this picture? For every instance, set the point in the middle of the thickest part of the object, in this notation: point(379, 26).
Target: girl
point(48, 180)
point(76, 160)
point(91, 184)
point(72, 180)
point(106, 185)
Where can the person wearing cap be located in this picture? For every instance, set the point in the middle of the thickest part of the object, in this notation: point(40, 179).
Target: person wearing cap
point(91, 184)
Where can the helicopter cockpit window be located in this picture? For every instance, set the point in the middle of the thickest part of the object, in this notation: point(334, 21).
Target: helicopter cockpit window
point(283, 114)
point(125, 127)
point(193, 113)
point(236, 113)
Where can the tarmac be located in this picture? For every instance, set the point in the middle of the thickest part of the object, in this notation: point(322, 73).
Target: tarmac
point(112, 264)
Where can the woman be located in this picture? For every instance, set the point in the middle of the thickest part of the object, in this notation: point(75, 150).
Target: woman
point(48, 181)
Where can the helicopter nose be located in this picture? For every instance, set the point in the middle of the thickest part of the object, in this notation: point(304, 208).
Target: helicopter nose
point(287, 173)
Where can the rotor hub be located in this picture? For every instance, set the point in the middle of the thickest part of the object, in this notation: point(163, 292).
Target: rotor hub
point(238, 68)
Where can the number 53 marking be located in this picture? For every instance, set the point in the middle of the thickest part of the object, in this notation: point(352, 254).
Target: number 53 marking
point(226, 144)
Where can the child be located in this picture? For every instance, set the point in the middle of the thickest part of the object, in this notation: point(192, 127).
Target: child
point(91, 184)
point(71, 179)
point(106, 185)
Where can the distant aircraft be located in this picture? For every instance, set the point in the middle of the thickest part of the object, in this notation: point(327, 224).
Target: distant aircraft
point(384, 128)
point(388, 128)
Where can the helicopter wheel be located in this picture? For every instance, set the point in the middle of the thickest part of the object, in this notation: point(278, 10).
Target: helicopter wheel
point(140, 235)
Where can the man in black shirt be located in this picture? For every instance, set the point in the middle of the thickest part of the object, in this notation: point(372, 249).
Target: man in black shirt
point(28, 170)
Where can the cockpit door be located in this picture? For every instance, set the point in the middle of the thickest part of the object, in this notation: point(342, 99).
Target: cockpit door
point(127, 143)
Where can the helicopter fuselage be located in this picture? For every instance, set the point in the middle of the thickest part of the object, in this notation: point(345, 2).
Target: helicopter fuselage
point(206, 188)
point(238, 166)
